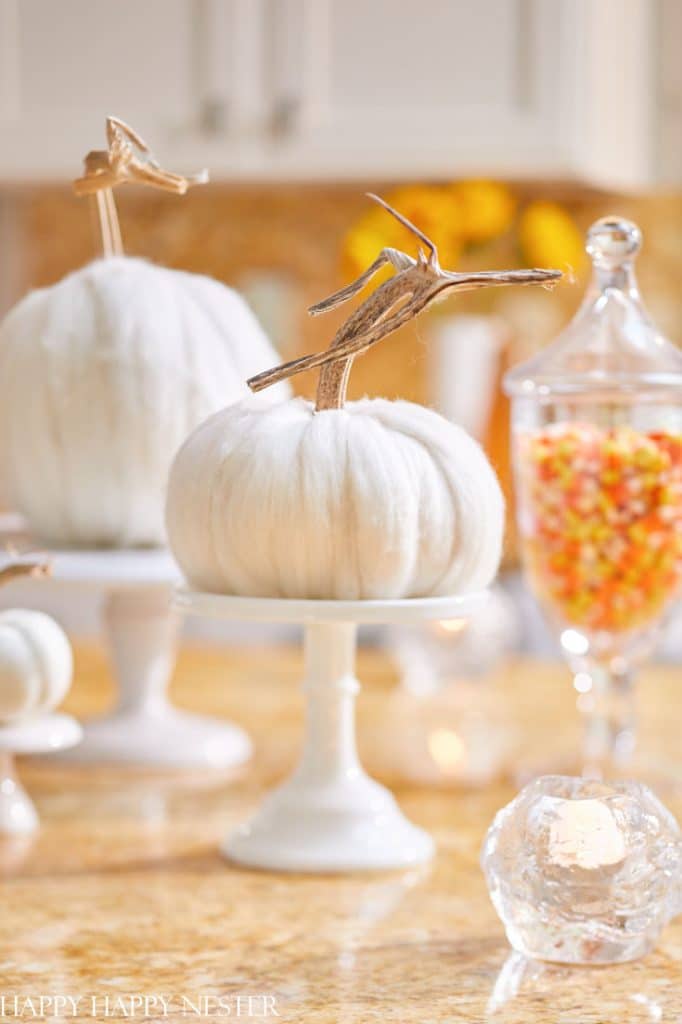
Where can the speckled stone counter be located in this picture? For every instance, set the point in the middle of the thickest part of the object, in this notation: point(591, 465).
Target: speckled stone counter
point(123, 895)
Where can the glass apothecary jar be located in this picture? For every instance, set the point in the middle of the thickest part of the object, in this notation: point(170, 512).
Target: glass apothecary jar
point(597, 448)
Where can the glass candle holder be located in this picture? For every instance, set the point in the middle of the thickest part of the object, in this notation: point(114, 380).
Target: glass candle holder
point(443, 725)
point(582, 871)
point(597, 449)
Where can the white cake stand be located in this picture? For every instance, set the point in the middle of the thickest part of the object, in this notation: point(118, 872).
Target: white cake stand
point(329, 815)
point(141, 628)
point(44, 735)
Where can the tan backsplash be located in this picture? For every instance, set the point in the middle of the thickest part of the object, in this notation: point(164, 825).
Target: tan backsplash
point(296, 233)
point(286, 240)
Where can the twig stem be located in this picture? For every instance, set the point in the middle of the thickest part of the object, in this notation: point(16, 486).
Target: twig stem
point(415, 284)
point(127, 159)
point(112, 244)
point(16, 569)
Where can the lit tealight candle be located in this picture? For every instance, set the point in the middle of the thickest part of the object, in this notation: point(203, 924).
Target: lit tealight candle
point(585, 834)
point(447, 750)
point(451, 626)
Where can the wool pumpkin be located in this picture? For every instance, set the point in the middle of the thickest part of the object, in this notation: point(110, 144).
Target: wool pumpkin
point(36, 664)
point(379, 499)
point(364, 500)
point(102, 376)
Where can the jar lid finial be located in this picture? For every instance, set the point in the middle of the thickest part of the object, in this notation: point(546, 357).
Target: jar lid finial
point(612, 241)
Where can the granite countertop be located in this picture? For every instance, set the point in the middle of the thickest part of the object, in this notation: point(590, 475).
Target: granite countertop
point(123, 893)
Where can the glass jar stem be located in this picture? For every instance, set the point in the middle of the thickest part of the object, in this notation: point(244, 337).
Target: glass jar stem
point(610, 721)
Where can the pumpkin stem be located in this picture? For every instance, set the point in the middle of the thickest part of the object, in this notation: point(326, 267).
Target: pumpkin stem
point(127, 159)
point(30, 567)
point(109, 226)
point(414, 286)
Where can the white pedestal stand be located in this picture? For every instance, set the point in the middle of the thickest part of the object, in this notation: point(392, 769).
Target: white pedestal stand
point(329, 816)
point(43, 735)
point(141, 627)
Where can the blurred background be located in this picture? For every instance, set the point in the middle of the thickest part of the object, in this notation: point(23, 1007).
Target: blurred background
point(502, 127)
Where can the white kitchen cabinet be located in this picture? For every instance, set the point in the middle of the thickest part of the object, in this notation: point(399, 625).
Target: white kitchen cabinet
point(67, 64)
point(670, 91)
point(344, 89)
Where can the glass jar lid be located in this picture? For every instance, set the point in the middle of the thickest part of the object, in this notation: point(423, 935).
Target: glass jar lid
point(611, 344)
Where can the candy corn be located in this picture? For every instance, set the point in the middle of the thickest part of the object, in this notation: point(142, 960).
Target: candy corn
point(601, 522)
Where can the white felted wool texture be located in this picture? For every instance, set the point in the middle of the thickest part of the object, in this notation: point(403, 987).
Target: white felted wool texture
point(102, 377)
point(376, 500)
point(36, 664)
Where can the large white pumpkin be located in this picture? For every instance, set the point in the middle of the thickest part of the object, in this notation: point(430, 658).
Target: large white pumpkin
point(36, 664)
point(102, 376)
point(378, 499)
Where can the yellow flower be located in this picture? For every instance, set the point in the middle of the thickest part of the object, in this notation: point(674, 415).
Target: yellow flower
point(436, 212)
point(433, 209)
point(361, 246)
point(365, 240)
point(549, 237)
point(487, 209)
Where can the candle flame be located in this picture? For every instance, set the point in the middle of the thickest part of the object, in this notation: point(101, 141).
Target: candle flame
point(451, 625)
point(585, 834)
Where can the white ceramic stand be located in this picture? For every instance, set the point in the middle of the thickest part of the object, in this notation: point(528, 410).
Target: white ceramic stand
point(141, 628)
point(329, 816)
point(44, 735)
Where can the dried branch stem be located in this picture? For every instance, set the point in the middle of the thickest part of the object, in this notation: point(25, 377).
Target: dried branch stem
point(127, 159)
point(16, 569)
point(416, 284)
point(112, 244)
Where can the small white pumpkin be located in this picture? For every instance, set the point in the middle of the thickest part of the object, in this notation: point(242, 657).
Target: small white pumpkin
point(376, 500)
point(102, 376)
point(36, 664)
point(370, 500)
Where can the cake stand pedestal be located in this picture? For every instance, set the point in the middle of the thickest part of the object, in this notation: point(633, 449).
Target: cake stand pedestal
point(44, 735)
point(329, 815)
point(141, 627)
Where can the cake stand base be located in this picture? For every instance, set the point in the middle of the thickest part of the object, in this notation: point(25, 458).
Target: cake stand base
point(163, 737)
point(329, 816)
point(44, 735)
point(357, 826)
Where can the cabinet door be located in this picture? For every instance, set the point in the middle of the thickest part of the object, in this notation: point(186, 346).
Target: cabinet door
point(512, 88)
point(67, 64)
point(401, 89)
point(340, 89)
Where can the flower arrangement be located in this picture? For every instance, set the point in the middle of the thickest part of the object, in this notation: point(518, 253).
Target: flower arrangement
point(467, 215)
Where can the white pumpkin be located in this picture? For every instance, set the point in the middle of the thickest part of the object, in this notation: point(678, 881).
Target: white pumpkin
point(378, 499)
point(102, 376)
point(36, 664)
point(365, 500)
